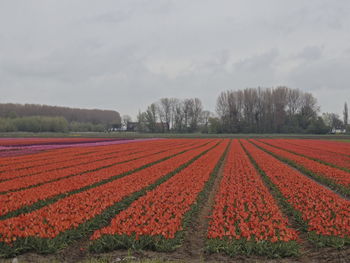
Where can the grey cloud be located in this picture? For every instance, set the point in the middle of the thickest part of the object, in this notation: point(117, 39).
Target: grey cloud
point(328, 73)
point(110, 17)
point(346, 51)
point(328, 80)
point(257, 62)
point(73, 65)
point(124, 55)
point(310, 53)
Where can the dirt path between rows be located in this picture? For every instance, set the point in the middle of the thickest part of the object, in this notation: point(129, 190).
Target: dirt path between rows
point(195, 238)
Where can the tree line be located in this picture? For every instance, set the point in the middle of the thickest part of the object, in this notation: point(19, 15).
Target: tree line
point(44, 118)
point(172, 114)
point(252, 110)
point(334, 121)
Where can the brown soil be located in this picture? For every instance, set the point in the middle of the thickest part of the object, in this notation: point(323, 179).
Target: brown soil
point(313, 255)
point(194, 242)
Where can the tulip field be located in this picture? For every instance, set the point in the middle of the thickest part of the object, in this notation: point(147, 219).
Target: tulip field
point(264, 197)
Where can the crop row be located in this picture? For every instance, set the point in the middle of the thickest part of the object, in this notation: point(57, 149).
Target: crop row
point(332, 175)
point(27, 153)
point(324, 214)
point(246, 218)
point(66, 154)
point(146, 195)
point(39, 161)
point(15, 200)
point(25, 160)
point(10, 154)
point(57, 223)
point(84, 166)
point(329, 146)
point(332, 158)
point(101, 155)
point(41, 155)
point(59, 156)
point(156, 219)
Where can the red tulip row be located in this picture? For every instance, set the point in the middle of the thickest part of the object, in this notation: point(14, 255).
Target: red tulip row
point(46, 153)
point(161, 211)
point(329, 146)
point(244, 208)
point(69, 154)
point(339, 176)
point(24, 161)
point(91, 163)
point(16, 200)
point(29, 160)
point(43, 154)
point(339, 160)
point(68, 213)
point(74, 155)
point(325, 213)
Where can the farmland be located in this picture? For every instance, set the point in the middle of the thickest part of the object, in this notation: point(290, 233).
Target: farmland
point(180, 199)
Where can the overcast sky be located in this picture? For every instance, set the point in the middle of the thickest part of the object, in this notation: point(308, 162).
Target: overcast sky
point(124, 55)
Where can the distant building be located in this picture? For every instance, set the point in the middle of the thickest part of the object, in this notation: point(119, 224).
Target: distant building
point(132, 126)
point(115, 127)
point(338, 131)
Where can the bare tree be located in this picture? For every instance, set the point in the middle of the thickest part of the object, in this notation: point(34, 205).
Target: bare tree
point(195, 113)
point(204, 120)
point(151, 117)
point(186, 109)
point(249, 106)
point(164, 111)
point(332, 120)
point(308, 110)
point(174, 114)
point(229, 108)
point(250, 110)
point(142, 122)
point(280, 100)
point(222, 104)
point(345, 115)
point(293, 101)
point(179, 116)
point(265, 110)
point(268, 111)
